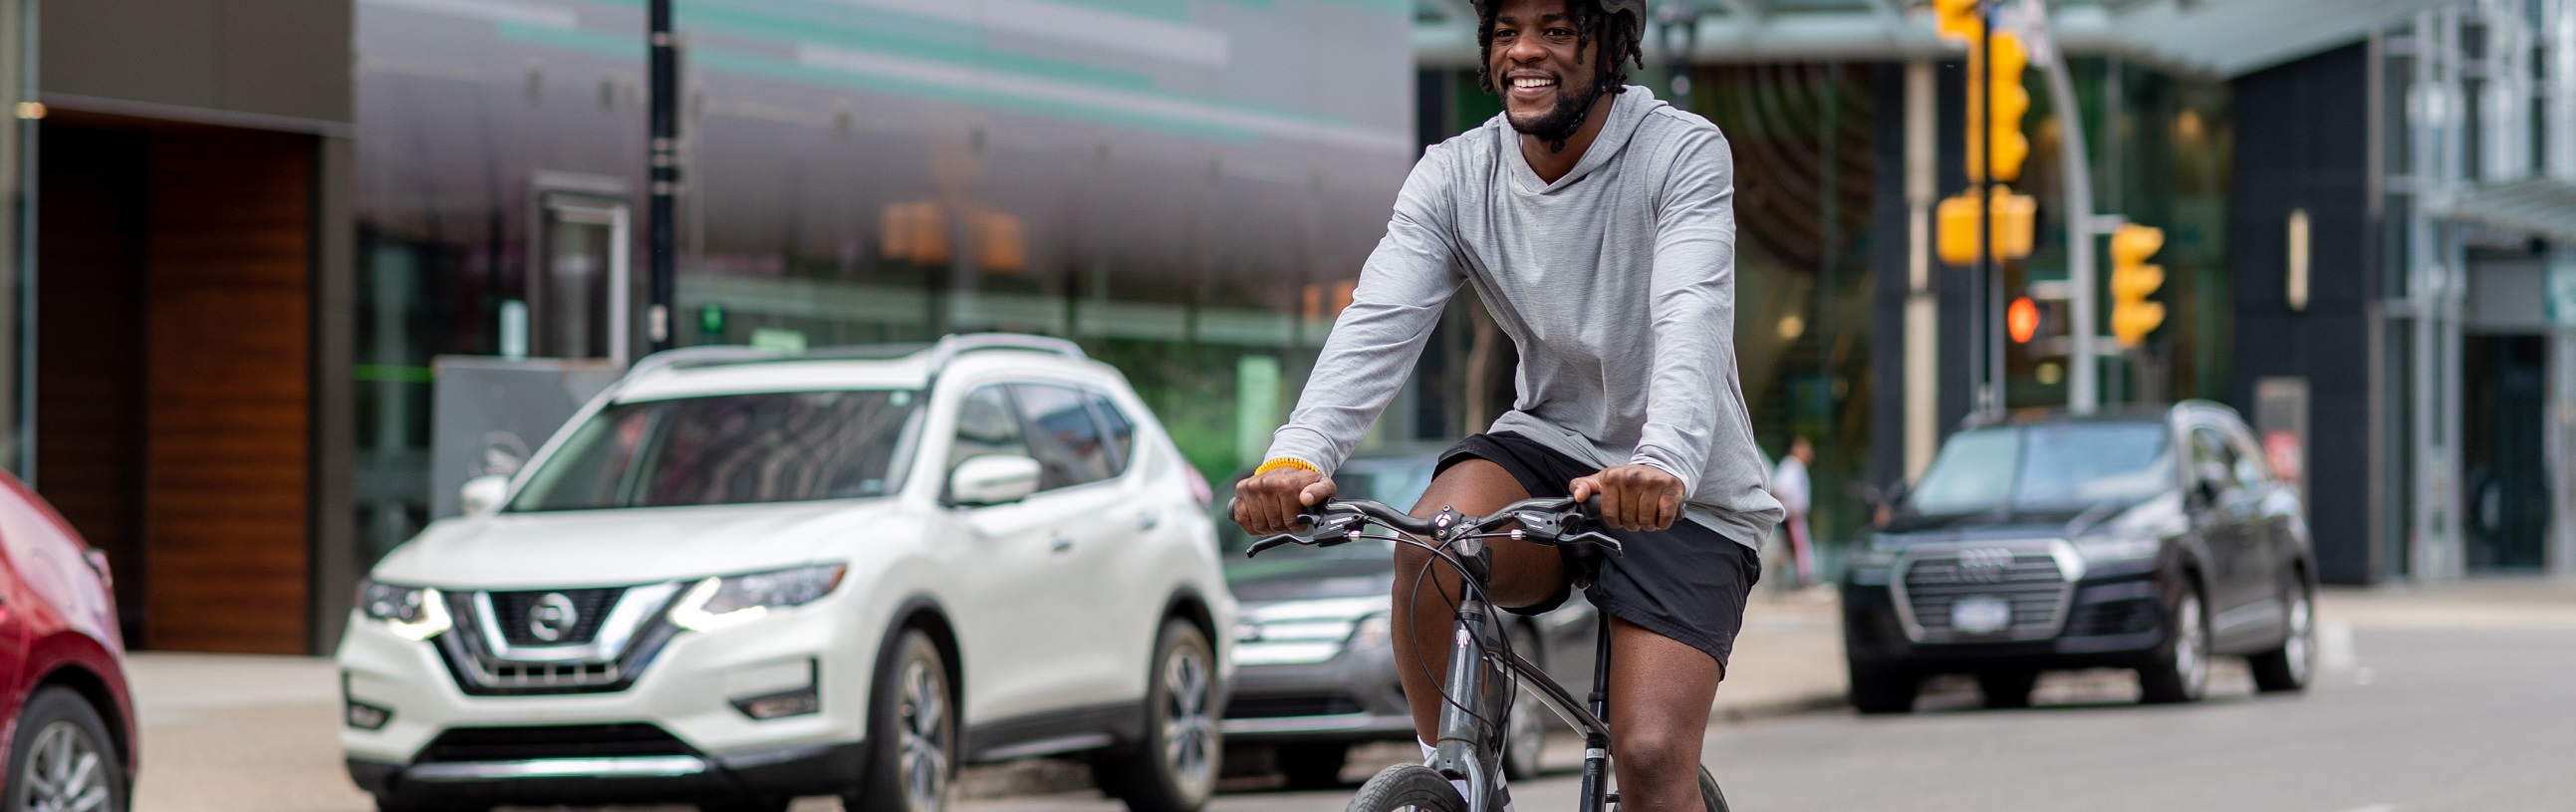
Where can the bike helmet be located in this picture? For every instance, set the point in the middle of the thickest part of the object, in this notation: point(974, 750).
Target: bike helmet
point(1611, 8)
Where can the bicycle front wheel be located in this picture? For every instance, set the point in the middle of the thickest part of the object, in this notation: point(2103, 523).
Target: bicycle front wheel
point(1708, 793)
point(1416, 788)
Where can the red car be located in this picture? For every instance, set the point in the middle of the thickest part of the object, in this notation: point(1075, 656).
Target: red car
point(69, 717)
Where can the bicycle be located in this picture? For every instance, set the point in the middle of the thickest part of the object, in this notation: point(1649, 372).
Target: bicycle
point(1483, 670)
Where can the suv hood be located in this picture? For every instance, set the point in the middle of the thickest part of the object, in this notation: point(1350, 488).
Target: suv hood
point(622, 547)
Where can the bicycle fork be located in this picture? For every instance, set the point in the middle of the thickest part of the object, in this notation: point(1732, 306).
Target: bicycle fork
point(1472, 719)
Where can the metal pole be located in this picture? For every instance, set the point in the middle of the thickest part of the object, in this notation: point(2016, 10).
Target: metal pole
point(1989, 385)
point(2083, 393)
point(665, 124)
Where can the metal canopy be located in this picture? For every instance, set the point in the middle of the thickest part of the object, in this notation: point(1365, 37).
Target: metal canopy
point(2541, 207)
point(2224, 38)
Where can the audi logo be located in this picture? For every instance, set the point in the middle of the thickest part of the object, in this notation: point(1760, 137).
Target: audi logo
point(1984, 565)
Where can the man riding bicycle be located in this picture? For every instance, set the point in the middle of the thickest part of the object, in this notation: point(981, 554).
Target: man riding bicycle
point(1598, 226)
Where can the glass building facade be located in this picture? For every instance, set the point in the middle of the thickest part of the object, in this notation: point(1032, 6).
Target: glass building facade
point(1186, 187)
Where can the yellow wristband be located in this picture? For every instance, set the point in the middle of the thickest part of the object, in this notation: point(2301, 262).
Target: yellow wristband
point(1285, 462)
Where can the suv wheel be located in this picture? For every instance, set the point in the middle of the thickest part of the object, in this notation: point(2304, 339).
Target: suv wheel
point(912, 730)
point(1883, 690)
point(2289, 667)
point(2181, 670)
point(62, 758)
point(1173, 769)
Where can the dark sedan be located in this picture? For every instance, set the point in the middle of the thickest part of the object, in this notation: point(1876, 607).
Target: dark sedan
point(2150, 540)
point(1314, 671)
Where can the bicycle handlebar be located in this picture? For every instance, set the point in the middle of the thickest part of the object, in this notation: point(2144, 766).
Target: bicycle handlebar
point(1545, 520)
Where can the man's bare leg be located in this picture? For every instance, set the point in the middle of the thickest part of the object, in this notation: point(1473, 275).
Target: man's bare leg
point(1660, 690)
point(1524, 574)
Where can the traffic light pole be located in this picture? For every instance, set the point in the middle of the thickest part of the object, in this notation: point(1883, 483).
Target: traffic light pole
point(1987, 341)
point(2084, 361)
point(665, 134)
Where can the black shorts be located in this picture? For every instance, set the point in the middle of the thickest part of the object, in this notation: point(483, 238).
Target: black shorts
point(1686, 582)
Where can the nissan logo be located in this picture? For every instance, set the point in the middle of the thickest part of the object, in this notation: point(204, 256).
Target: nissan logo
point(1984, 565)
point(552, 617)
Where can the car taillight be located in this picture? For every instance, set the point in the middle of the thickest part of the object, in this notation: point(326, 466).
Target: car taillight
point(1199, 488)
point(97, 560)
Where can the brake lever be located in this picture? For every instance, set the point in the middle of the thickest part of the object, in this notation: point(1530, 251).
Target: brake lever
point(1327, 531)
point(1597, 539)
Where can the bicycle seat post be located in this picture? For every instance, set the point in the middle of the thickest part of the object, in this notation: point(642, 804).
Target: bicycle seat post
point(1596, 744)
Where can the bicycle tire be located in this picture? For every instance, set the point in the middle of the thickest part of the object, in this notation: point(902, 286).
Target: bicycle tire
point(1407, 786)
point(1709, 795)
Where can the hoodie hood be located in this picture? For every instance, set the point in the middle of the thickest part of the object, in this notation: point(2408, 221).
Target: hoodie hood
point(620, 547)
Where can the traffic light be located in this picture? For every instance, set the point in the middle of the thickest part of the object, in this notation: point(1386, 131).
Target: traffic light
point(2132, 280)
point(1958, 20)
point(2021, 320)
point(2011, 101)
point(2016, 225)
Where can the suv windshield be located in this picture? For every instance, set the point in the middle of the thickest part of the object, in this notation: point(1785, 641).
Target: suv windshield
point(2044, 468)
point(727, 450)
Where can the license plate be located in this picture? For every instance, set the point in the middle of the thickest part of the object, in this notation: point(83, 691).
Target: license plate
point(1981, 615)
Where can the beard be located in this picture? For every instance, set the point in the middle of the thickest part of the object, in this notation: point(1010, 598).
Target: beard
point(1559, 122)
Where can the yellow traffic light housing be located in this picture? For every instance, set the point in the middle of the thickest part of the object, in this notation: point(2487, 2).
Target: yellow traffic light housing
point(1957, 20)
point(2016, 226)
point(2011, 101)
point(2132, 281)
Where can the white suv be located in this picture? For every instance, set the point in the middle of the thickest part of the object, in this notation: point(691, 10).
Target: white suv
point(738, 578)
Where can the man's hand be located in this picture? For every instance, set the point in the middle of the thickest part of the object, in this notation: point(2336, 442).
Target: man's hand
point(1633, 497)
point(1267, 505)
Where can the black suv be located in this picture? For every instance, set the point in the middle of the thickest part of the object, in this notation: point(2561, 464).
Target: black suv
point(2150, 540)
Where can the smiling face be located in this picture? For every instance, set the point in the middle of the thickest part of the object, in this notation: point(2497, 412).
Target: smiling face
point(1540, 66)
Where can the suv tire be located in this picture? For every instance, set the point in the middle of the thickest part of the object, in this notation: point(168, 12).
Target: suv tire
point(60, 738)
point(1173, 767)
point(912, 729)
point(2181, 670)
point(1883, 690)
point(2289, 667)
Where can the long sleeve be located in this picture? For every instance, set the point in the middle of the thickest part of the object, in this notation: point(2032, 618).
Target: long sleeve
point(1693, 309)
point(1403, 288)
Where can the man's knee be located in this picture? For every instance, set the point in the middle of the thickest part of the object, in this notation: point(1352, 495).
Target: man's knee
point(1657, 747)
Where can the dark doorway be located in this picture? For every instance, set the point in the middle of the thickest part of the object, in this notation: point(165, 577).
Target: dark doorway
point(2507, 495)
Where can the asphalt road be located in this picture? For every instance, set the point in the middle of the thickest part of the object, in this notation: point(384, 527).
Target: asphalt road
point(2402, 720)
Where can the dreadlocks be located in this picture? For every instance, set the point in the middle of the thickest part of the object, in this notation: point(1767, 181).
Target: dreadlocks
point(1612, 37)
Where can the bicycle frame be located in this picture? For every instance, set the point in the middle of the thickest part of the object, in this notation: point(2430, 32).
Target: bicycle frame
point(1483, 672)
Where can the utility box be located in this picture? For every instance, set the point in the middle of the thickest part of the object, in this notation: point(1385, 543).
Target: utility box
point(489, 415)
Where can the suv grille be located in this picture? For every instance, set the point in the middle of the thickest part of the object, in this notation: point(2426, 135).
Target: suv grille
point(560, 741)
point(601, 651)
point(2026, 578)
point(513, 610)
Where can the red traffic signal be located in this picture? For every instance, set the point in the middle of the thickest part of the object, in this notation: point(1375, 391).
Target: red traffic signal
point(2021, 321)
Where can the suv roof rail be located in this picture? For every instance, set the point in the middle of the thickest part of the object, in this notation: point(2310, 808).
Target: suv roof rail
point(948, 349)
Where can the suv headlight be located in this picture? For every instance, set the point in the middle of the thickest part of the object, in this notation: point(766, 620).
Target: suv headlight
point(416, 613)
point(1374, 630)
point(733, 600)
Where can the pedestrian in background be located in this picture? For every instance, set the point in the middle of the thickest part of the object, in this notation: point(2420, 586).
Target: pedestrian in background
point(1789, 484)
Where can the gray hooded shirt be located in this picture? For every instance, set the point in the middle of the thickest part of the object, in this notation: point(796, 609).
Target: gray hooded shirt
point(1616, 283)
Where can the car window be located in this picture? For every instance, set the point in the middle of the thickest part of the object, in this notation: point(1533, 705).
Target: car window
point(2252, 470)
point(1063, 435)
point(2047, 467)
point(1122, 433)
point(2209, 447)
point(986, 425)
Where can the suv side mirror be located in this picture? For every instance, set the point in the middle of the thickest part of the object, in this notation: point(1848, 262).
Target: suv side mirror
point(993, 479)
point(483, 494)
